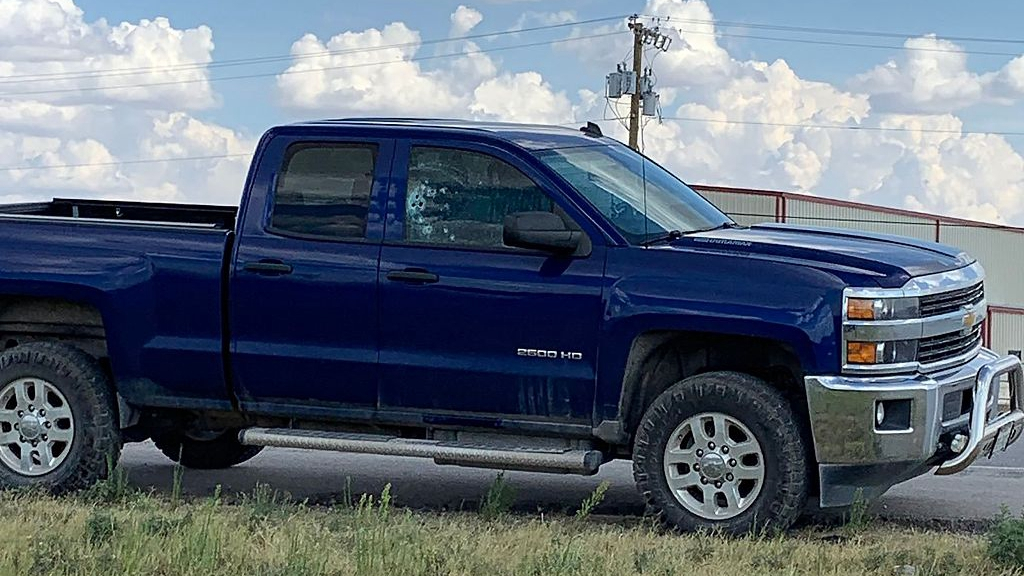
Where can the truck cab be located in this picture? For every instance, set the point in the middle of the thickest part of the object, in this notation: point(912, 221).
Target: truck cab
point(494, 295)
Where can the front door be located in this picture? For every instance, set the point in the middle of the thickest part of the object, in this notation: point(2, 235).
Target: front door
point(303, 289)
point(469, 325)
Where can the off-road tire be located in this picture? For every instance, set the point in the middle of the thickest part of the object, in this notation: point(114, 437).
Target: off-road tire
point(760, 408)
point(221, 452)
point(96, 445)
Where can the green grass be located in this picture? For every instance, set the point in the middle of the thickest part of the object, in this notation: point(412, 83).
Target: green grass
point(115, 531)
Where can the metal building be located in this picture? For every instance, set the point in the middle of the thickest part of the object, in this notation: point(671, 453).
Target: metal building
point(1000, 249)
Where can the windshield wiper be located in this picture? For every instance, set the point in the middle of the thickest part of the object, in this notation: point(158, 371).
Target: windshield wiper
point(663, 238)
point(672, 235)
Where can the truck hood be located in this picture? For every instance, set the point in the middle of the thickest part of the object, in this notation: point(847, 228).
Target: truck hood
point(890, 260)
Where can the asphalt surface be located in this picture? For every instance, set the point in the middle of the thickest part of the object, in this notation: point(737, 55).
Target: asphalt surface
point(324, 477)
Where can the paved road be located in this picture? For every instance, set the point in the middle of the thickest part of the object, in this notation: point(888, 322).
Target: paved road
point(977, 493)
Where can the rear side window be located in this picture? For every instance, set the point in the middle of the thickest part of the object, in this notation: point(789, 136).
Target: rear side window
point(324, 190)
point(461, 198)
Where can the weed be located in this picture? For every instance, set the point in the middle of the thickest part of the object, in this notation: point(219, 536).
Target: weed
point(177, 475)
point(592, 501)
point(859, 516)
point(499, 498)
point(99, 527)
point(1006, 540)
point(114, 488)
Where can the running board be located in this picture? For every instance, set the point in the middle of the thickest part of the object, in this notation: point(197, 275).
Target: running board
point(565, 461)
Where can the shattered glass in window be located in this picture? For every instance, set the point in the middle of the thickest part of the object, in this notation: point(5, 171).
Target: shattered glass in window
point(459, 197)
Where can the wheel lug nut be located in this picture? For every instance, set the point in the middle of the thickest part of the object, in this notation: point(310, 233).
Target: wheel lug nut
point(44, 440)
point(725, 449)
point(700, 452)
point(711, 445)
point(15, 425)
point(43, 413)
point(703, 480)
point(31, 408)
point(696, 467)
point(21, 412)
point(47, 424)
point(22, 439)
point(35, 443)
point(732, 462)
point(718, 484)
point(728, 477)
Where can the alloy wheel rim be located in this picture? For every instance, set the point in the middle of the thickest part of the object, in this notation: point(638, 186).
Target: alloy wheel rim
point(37, 427)
point(714, 466)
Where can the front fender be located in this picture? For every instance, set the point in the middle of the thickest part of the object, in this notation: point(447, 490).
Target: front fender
point(795, 306)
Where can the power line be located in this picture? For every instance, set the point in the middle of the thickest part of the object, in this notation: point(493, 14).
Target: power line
point(121, 162)
point(848, 44)
point(842, 126)
point(835, 31)
point(319, 69)
point(571, 123)
point(89, 74)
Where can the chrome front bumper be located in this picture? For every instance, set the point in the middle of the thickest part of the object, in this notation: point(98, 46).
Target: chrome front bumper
point(854, 455)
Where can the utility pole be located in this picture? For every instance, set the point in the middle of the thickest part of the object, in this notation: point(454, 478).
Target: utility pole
point(634, 101)
point(637, 82)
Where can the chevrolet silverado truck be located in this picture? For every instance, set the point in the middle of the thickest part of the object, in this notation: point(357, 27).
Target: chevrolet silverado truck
point(494, 295)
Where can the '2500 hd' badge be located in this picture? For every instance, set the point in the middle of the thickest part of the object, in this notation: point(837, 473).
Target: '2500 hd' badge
point(550, 354)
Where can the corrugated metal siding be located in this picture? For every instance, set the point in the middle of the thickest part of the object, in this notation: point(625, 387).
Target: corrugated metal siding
point(1000, 252)
point(1007, 331)
point(745, 209)
point(811, 213)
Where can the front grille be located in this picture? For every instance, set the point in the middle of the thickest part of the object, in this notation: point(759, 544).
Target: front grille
point(946, 302)
point(946, 346)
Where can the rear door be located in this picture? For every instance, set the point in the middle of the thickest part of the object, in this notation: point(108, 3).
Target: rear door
point(303, 293)
point(469, 325)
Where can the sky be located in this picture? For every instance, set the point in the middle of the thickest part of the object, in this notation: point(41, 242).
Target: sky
point(913, 105)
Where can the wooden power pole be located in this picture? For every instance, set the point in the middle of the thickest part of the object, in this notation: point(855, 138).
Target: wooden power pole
point(634, 102)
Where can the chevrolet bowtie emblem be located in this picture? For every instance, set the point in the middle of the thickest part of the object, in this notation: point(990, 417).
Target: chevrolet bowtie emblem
point(969, 320)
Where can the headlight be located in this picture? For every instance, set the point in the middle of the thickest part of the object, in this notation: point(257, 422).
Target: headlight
point(882, 308)
point(894, 352)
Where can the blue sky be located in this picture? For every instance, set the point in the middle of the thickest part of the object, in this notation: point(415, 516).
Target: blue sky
point(261, 28)
point(907, 126)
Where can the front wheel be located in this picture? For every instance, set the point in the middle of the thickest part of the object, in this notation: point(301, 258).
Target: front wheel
point(722, 451)
point(206, 452)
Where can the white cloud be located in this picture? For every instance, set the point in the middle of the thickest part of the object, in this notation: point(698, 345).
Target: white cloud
point(463, 20)
point(752, 123)
point(931, 76)
point(350, 79)
point(525, 97)
point(532, 18)
point(728, 120)
point(56, 110)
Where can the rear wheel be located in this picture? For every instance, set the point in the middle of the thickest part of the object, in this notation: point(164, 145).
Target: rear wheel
point(722, 451)
point(58, 423)
point(207, 451)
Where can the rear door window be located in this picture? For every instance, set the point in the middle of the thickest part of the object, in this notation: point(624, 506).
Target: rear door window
point(324, 190)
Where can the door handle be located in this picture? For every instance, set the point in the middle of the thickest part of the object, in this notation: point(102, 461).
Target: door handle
point(413, 276)
point(268, 267)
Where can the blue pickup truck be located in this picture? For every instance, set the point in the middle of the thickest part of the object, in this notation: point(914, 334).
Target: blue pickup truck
point(494, 295)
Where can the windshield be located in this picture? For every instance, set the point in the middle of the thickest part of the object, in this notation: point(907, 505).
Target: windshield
point(612, 179)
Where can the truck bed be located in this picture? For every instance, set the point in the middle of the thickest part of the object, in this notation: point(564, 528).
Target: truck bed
point(218, 217)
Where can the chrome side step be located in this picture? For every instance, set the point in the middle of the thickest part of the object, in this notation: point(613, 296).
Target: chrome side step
point(564, 461)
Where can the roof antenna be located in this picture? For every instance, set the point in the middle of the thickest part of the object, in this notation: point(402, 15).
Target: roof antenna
point(592, 129)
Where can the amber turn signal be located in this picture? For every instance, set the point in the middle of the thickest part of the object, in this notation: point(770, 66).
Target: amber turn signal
point(860, 309)
point(861, 352)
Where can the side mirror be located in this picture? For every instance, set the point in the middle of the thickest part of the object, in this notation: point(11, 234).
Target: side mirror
point(540, 231)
